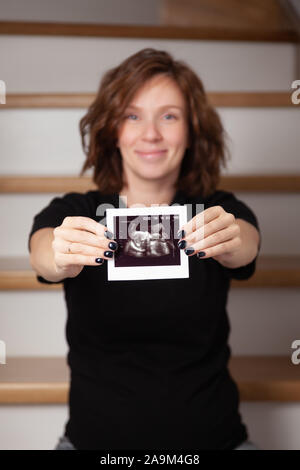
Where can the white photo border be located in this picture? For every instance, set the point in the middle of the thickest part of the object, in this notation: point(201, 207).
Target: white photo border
point(147, 272)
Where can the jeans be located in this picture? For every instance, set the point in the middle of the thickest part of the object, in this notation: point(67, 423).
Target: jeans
point(65, 444)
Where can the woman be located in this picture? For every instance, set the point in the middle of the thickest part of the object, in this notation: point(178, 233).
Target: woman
point(148, 358)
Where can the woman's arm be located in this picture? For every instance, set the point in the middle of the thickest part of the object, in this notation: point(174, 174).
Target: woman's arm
point(63, 251)
point(248, 249)
point(231, 241)
point(42, 255)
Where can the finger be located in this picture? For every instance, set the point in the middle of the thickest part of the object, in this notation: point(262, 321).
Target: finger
point(201, 219)
point(221, 249)
point(67, 246)
point(211, 228)
point(77, 259)
point(81, 236)
point(216, 238)
point(85, 223)
point(88, 250)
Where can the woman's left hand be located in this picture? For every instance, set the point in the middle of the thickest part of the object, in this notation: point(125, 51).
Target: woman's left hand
point(214, 232)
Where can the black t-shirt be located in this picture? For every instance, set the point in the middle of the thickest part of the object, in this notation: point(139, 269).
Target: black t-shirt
point(149, 358)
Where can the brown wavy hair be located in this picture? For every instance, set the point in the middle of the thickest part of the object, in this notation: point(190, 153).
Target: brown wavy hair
point(200, 167)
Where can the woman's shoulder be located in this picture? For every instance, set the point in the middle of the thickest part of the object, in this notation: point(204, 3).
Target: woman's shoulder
point(71, 203)
point(216, 197)
point(91, 198)
point(232, 203)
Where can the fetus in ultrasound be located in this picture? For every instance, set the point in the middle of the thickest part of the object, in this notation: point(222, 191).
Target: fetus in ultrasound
point(142, 243)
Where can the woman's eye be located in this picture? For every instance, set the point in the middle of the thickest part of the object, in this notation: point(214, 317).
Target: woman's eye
point(130, 116)
point(171, 115)
point(134, 117)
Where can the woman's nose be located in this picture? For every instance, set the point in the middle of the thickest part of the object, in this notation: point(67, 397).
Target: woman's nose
point(151, 131)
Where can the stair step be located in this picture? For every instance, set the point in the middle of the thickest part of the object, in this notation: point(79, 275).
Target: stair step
point(146, 31)
point(83, 100)
point(271, 271)
point(61, 184)
point(36, 380)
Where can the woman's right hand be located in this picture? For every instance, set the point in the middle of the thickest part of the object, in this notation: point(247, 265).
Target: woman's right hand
point(78, 242)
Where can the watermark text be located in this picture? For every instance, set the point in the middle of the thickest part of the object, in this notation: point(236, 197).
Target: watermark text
point(296, 94)
point(2, 352)
point(2, 92)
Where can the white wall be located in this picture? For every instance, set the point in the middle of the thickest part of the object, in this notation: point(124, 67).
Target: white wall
point(81, 11)
point(43, 141)
point(75, 64)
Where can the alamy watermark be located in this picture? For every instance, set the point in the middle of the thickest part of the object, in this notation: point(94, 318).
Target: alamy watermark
point(2, 352)
point(296, 354)
point(142, 222)
point(2, 92)
point(296, 94)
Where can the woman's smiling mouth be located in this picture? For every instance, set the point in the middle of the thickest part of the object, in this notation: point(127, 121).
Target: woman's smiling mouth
point(153, 155)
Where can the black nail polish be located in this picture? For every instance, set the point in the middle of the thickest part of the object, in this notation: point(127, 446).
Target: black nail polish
point(99, 260)
point(108, 234)
point(109, 254)
point(113, 245)
point(189, 251)
point(181, 244)
point(181, 234)
point(200, 254)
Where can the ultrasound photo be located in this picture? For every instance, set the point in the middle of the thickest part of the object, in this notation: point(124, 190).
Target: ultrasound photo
point(147, 240)
point(147, 243)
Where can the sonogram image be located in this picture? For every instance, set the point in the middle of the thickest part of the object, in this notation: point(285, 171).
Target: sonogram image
point(147, 240)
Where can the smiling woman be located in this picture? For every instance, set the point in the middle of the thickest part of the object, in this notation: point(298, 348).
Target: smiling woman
point(153, 144)
point(153, 132)
point(149, 357)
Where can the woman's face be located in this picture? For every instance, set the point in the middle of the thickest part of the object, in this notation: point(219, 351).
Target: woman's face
point(153, 135)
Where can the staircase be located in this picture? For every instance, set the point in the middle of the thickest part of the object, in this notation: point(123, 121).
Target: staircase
point(51, 72)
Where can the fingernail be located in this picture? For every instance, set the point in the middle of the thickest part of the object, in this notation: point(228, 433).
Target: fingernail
point(181, 234)
point(201, 253)
point(109, 254)
point(99, 260)
point(189, 251)
point(113, 245)
point(108, 234)
point(181, 244)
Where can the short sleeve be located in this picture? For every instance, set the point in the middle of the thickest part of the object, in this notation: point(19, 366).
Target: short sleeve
point(240, 210)
point(71, 204)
